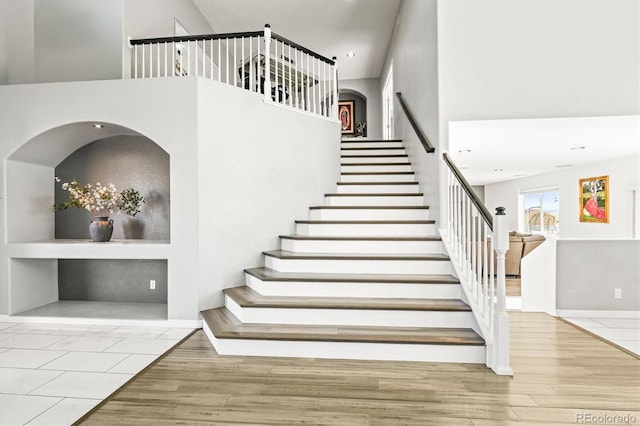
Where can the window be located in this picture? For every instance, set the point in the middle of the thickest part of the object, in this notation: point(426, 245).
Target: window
point(541, 211)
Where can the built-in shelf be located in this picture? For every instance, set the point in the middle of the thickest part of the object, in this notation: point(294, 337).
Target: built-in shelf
point(87, 249)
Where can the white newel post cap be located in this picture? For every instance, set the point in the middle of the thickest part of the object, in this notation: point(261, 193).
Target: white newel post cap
point(500, 230)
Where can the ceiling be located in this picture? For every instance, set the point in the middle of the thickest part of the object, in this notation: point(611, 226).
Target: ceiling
point(328, 27)
point(503, 150)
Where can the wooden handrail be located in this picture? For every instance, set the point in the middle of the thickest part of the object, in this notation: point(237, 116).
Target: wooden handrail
point(178, 39)
point(482, 209)
point(416, 127)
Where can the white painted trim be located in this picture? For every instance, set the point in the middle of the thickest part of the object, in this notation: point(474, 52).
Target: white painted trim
point(101, 321)
point(568, 313)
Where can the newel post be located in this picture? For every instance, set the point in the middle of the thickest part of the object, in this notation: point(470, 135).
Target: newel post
point(267, 63)
point(501, 342)
point(334, 104)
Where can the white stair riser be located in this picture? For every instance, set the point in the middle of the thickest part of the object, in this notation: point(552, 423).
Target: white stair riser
point(348, 230)
point(365, 152)
point(355, 317)
point(329, 246)
point(368, 189)
point(373, 200)
point(371, 145)
point(368, 214)
point(345, 289)
point(359, 266)
point(349, 350)
point(373, 160)
point(378, 178)
point(376, 168)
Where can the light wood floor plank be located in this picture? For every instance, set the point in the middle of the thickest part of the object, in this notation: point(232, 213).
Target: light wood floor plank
point(560, 372)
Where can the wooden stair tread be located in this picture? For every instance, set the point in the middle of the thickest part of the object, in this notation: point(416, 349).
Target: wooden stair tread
point(267, 274)
point(368, 207)
point(370, 140)
point(375, 164)
point(380, 194)
point(358, 238)
point(377, 183)
point(373, 148)
point(377, 173)
point(376, 156)
point(367, 222)
point(284, 254)
point(226, 326)
point(248, 298)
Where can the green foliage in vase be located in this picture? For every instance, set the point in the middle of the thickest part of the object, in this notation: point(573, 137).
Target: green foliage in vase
point(130, 201)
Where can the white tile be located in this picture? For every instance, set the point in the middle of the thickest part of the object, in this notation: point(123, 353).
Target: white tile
point(28, 358)
point(85, 361)
point(35, 328)
point(632, 345)
point(23, 380)
point(7, 325)
point(85, 343)
point(619, 322)
point(30, 341)
point(151, 332)
point(81, 330)
point(133, 364)
point(142, 346)
point(584, 322)
point(617, 333)
point(19, 409)
point(176, 333)
point(75, 384)
point(65, 412)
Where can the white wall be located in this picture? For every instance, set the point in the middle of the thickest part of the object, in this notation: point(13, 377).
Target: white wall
point(623, 175)
point(16, 42)
point(78, 40)
point(413, 53)
point(369, 87)
point(260, 167)
point(155, 18)
point(503, 59)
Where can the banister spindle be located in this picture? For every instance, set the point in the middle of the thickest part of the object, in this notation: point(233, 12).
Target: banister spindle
point(334, 101)
point(267, 63)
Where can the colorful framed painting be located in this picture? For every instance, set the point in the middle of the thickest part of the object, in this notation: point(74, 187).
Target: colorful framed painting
point(594, 199)
point(346, 111)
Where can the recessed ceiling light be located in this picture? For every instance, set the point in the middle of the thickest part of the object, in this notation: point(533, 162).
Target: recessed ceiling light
point(351, 54)
point(463, 151)
point(98, 126)
point(577, 148)
point(498, 170)
point(564, 165)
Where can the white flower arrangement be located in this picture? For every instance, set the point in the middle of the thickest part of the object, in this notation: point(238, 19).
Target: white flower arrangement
point(100, 200)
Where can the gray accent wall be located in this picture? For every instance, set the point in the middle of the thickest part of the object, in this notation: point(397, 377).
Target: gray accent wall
point(360, 109)
point(125, 161)
point(588, 271)
point(124, 281)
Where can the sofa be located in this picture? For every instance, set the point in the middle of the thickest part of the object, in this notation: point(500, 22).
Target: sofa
point(520, 245)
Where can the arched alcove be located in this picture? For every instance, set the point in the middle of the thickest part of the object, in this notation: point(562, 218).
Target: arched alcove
point(360, 105)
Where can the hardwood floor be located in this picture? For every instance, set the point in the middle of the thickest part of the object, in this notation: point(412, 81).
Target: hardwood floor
point(560, 373)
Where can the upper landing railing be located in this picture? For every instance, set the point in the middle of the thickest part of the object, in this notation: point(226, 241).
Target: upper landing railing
point(476, 242)
point(261, 61)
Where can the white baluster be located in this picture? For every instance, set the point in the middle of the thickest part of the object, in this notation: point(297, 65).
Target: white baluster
point(166, 59)
point(308, 86)
point(296, 86)
point(276, 71)
point(267, 63)
point(135, 61)
point(188, 57)
point(158, 59)
point(195, 63)
point(242, 63)
point(235, 55)
point(324, 89)
point(150, 60)
point(143, 62)
point(290, 66)
point(251, 63)
point(226, 49)
point(173, 59)
point(334, 101)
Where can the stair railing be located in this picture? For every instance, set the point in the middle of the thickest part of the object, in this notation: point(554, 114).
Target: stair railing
point(477, 243)
point(424, 140)
point(264, 62)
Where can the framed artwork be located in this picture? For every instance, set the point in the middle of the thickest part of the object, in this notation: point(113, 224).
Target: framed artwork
point(346, 110)
point(594, 199)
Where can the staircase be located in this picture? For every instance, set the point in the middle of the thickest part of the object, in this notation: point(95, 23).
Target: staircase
point(365, 277)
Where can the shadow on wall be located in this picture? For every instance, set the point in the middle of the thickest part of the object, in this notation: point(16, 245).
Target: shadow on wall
point(125, 161)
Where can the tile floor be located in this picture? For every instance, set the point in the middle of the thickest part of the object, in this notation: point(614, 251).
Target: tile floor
point(624, 332)
point(52, 374)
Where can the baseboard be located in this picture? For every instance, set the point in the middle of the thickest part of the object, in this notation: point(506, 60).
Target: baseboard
point(568, 313)
point(104, 321)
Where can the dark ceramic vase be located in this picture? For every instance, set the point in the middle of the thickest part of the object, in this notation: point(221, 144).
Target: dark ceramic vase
point(101, 229)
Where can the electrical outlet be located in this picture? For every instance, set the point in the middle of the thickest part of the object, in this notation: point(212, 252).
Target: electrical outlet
point(617, 293)
point(152, 284)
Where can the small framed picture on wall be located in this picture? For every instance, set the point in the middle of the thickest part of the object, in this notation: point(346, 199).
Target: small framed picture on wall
point(346, 113)
point(594, 199)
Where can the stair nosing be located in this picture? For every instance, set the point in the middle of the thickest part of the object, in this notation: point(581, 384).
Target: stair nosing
point(377, 173)
point(370, 148)
point(367, 222)
point(375, 164)
point(375, 194)
point(369, 207)
point(375, 156)
point(233, 331)
point(290, 255)
point(399, 238)
point(378, 183)
point(418, 279)
point(371, 141)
